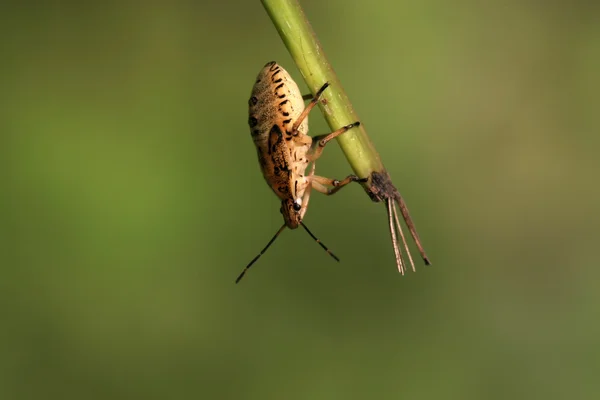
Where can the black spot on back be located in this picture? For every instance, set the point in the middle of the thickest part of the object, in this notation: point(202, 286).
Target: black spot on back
point(275, 137)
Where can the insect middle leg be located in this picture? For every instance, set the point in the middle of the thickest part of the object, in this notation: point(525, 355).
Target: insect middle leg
point(319, 142)
point(319, 182)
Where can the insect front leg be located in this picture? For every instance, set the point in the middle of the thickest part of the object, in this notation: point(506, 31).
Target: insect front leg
point(319, 182)
point(307, 191)
point(319, 142)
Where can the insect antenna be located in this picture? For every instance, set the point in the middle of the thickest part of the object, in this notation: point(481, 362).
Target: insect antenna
point(261, 253)
point(320, 243)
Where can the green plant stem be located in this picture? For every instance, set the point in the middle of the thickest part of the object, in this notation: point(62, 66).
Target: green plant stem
point(302, 43)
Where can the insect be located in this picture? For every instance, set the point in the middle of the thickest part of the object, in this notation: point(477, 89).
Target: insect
point(279, 125)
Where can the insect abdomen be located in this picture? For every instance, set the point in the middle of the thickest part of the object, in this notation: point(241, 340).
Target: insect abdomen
point(275, 99)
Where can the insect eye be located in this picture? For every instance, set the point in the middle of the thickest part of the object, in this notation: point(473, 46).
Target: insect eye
point(297, 206)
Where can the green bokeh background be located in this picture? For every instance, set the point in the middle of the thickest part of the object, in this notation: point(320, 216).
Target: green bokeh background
point(131, 198)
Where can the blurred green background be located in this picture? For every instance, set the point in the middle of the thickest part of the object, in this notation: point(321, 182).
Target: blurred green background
point(131, 198)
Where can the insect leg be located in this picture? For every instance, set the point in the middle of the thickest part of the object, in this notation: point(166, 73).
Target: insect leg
point(308, 108)
point(320, 141)
point(307, 191)
point(303, 211)
point(319, 182)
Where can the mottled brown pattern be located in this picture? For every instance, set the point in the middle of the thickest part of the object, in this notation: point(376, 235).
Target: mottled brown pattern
point(277, 112)
point(279, 103)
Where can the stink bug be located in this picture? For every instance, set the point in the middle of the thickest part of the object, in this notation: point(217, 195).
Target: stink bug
point(279, 125)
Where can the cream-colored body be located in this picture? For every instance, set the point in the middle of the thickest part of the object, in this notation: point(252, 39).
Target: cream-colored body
point(274, 105)
point(278, 123)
